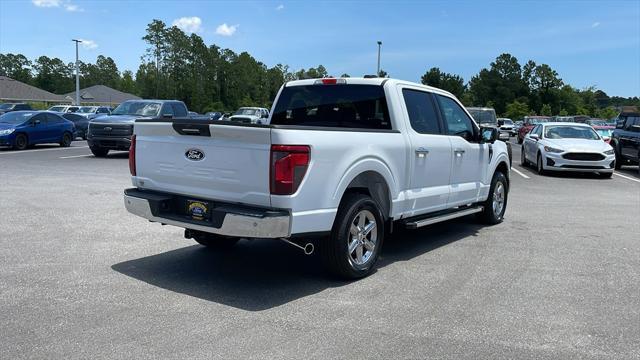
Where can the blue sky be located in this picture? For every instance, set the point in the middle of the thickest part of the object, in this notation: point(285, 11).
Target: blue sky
point(587, 42)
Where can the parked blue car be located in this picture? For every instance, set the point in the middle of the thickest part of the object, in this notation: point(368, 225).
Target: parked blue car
point(19, 129)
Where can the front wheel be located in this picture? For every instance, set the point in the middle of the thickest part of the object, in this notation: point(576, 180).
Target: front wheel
point(99, 152)
point(618, 163)
point(21, 142)
point(66, 140)
point(352, 249)
point(496, 204)
point(540, 166)
point(523, 158)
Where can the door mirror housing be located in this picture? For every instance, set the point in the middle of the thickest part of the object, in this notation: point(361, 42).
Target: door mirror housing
point(488, 135)
point(35, 122)
point(535, 137)
point(265, 116)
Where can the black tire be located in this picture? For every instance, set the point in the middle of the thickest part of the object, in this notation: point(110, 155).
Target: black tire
point(215, 242)
point(489, 215)
point(66, 140)
point(509, 152)
point(99, 152)
point(523, 158)
point(619, 161)
point(334, 250)
point(539, 166)
point(22, 142)
point(606, 175)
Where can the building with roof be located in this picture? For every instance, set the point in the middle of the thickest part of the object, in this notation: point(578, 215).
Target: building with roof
point(100, 95)
point(16, 91)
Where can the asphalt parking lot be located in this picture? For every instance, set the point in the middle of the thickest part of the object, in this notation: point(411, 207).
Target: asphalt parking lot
point(81, 278)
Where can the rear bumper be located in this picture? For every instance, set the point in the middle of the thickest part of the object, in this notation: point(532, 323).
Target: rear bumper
point(231, 220)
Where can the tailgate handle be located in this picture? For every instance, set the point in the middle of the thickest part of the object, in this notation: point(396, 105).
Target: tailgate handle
point(192, 129)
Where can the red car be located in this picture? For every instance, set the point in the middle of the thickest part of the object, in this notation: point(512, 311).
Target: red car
point(604, 132)
point(528, 124)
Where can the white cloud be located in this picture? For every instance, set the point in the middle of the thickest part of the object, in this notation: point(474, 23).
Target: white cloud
point(88, 44)
point(226, 30)
point(73, 8)
point(595, 24)
point(189, 24)
point(280, 7)
point(66, 4)
point(46, 3)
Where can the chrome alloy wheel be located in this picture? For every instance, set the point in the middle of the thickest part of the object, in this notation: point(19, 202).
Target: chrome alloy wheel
point(362, 238)
point(498, 199)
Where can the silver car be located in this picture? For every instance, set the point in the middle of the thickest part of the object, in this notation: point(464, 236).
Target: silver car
point(567, 147)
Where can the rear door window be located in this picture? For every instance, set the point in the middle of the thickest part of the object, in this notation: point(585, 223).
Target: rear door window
point(342, 106)
point(422, 112)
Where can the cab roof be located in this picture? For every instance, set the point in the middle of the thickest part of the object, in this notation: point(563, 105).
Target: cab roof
point(368, 81)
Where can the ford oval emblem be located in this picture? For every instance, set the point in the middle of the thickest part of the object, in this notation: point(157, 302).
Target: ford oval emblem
point(194, 154)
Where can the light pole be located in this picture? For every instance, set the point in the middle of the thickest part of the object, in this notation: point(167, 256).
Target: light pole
point(379, 45)
point(77, 73)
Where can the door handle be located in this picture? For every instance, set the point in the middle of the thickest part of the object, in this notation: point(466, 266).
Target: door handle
point(458, 152)
point(422, 152)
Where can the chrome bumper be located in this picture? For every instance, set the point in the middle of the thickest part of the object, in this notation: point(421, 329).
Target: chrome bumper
point(236, 225)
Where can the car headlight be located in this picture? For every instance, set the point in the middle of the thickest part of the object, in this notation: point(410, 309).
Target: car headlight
point(552, 150)
point(609, 152)
point(7, 131)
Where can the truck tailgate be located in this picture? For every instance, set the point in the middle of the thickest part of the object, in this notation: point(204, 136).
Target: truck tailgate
point(233, 166)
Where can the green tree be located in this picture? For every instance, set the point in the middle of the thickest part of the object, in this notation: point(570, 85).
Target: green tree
point(445, 81)
point(127, 84)
point(546, 110)
point(16, 66)
point(517, 110)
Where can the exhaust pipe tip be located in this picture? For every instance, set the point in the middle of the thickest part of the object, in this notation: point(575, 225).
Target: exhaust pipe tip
point(308, 249)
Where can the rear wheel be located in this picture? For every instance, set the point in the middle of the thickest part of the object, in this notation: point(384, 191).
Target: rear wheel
point(99, 152)
point(22, 142)
point(496, 204)
point(618, 163)
point(214, 242)
point(523, 157)
point(354, 245)
point(66, 140)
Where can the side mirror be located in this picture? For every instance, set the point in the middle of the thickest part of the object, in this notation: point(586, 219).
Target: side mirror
point(535, 137)
point(36, 122)
point(488, 135)
point(500, 122)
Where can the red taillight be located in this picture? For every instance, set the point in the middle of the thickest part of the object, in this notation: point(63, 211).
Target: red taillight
point(132, 156)
point(288, 166)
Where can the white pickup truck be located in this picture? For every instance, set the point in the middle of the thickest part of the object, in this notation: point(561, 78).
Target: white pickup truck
point(340, 161)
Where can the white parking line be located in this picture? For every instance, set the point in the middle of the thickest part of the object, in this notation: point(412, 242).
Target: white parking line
point(626, 177)
point(520, 173)
point(75, 156)
point(36, 150)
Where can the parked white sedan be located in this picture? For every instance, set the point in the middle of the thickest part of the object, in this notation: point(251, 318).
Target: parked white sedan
point(567, 147)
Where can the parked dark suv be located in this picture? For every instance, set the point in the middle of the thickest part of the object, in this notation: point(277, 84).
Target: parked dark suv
point(9, 107)
point(625, 139)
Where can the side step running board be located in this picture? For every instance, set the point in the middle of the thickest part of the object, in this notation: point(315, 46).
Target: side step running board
point(439, 218)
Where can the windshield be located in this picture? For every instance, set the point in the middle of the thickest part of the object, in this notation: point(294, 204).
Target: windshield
point(87, 109)
point(604, 132)
point(507, 122)
point(533, 121)
point(244, 111)
point(57, 108)
point(483, 116)
point(6, 106)
point(15, 118)
point(597, 122)
point(570, 132)
point(139, 108)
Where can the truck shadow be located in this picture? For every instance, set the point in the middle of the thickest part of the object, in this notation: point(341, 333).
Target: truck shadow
point(259, 275)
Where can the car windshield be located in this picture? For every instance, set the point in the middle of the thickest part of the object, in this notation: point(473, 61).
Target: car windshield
point(6, 106)
point(87, 109)
point(570, 132)
point(507, 122)
point(139, 108)
point(15, 118)
point(604, 132)
point(244, 111)
point(597, 122)
point(483, 116)
point(57, 108)
point(534, 121)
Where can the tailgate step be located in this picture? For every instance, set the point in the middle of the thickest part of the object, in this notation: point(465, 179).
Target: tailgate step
point(439, 217)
